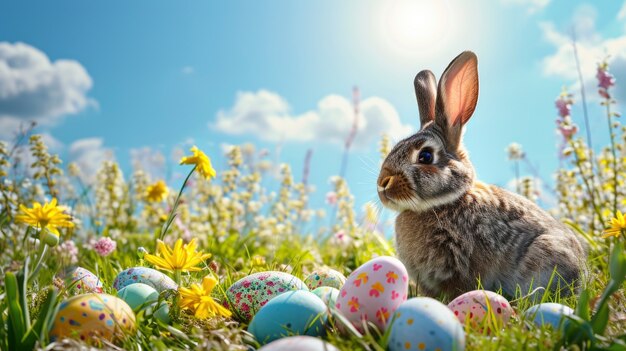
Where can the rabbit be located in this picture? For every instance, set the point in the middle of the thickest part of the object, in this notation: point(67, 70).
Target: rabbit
point(452, 230)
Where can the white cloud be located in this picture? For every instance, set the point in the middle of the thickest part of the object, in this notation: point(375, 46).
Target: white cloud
point(592, 49)
point(149, 160)
point(267, 115)
point(88, 154)
point(532, 6)
point(34, 88)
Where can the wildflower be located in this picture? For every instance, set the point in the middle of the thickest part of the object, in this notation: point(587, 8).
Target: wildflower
point(258, 261)
point(180, 258)
point(515, 152)
point(564, 104)
point(618, 224)
point(67, 252)
point(157, 192)
point(605, 79)
point(201, 161)
point(104, 246)
point(198, 299)
point(331, 198)
point(371, 217)
point(49, 216)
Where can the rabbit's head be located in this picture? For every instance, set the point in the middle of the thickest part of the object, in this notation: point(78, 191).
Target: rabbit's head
point(431, 168)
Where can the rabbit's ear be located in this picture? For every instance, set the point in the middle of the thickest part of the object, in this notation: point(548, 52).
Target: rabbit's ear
point(457, 96)
point(426, 93)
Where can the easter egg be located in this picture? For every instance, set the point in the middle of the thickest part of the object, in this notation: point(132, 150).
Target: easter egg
point(473, 306)
point(548, 313)
point(373, 292)
point(325, 277)
point(423, 323)
point(327, 294)
point(295, 312)
point(145, 275)
point(300, 343)
point(91, 316)
point(83, 280)
point(249, 294)
point(138, 294)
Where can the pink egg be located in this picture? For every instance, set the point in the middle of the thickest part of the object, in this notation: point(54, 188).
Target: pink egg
point(473, 306)
point(373, 292)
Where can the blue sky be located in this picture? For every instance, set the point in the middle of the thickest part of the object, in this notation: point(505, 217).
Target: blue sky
point(161, 75)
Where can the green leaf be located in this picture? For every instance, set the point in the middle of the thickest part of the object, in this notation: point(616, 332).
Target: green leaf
point(16, 316)
point(600, 319)
point(582, 309)
point(39, 330)
point(617, 264)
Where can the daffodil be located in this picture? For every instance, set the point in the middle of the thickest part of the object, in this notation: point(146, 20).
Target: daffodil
point(201, 161)
point(157, 192)
point(198, 299)
point(49, 216)
point(618, 224)
point(178, 259)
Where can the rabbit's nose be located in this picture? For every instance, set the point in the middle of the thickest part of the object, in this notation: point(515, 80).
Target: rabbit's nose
point(386, 182)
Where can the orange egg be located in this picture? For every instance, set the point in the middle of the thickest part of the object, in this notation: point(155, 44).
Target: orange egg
point(92, 316)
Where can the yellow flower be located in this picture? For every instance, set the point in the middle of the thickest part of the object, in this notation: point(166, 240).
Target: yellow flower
point(180, 258)
point(618, 224)
point(157, 192)
point(201, 161)
point(48, 216)
point(198, 299)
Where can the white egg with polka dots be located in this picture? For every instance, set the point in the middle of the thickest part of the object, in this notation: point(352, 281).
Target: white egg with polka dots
point(422, 323)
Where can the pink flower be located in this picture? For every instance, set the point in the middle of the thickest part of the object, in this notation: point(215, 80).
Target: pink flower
point(563, 104)
point(331, 198)
point(568, 130)
point(605, 79)
point(67, 252)
point(104, 246)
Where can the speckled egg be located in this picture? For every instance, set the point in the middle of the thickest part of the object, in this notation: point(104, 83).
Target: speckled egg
point(300, 343)
point(373, 292)
point(145, 275)
point(295, 312)
point(423, 323)
point(473, 306)
point(327, 294)
point(548, 313)
point(91, 316)
point(325, 277)
point(83, 280)
point(250, 293)
point(138, 294)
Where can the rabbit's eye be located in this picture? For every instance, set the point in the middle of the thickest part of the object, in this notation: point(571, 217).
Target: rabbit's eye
point(425, 157)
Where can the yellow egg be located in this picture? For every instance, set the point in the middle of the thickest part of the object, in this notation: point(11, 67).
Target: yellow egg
point(92, 316)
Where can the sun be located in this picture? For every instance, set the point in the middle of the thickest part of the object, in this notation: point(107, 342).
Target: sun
point(414, 26)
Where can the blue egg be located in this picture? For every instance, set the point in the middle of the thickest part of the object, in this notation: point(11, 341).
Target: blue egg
point(137, 295)
point(548, 313)
point(296, 312)
point(300, 343)
point(422, 323)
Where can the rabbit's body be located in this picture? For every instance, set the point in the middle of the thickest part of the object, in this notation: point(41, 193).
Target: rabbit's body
point(489, 234)
point(452, 230)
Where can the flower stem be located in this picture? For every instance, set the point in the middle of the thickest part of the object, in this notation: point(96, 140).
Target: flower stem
point(43, 249)
point(172, 214)
point(613, 151)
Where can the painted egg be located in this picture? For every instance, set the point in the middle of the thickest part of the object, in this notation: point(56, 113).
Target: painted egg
point(138, 294)
point(145, 275)
point(548, 313)
point(250, 293)
point(90, 316)
point(473, 306)
point(423, 323)
point(373, 292)
point(327, 294)
point(300, 343)
point(83, 280)
point(325, 277)
point(295, 312)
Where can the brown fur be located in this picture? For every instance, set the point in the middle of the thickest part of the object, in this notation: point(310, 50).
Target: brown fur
point(453, 230)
